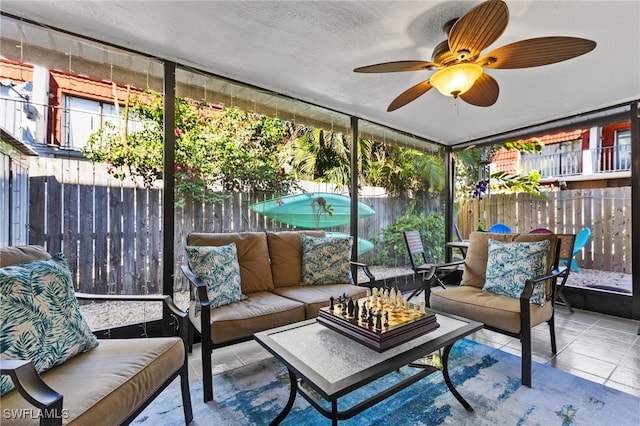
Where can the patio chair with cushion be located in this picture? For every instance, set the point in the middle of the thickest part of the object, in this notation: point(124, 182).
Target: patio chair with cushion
point(508, 283)
point(53, 366)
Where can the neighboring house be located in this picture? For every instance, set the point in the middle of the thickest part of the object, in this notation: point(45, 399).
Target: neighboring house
point(598, 157)
point(44, 113)
point(47, 110)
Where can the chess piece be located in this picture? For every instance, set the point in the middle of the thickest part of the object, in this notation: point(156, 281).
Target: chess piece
point(386, 319)
point(356, 310)
point(370, 318)
point(331, 303)
point(379, 321)
point(350, 308)
point(363, 315)
point(422, 306)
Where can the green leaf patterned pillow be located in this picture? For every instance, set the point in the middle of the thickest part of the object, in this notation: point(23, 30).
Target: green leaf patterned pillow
point(40, 318)
point(326, 260)
point(510, 264)
point(54, 295)
point(218, 268)
point(21, 327)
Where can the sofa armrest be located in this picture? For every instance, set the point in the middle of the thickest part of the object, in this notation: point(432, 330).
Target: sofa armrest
point(202, 299)
point(365, 269)
point(33, 389)
point(197, 285)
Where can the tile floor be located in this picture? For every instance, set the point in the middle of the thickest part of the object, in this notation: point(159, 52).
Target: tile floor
point(597, 347)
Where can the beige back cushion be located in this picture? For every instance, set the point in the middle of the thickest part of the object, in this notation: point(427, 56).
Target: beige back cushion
point(20, 254)
point(285, 249)
point(475, 264)
point(253, 256)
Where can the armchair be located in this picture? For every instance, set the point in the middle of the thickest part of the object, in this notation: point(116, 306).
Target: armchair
point(514, 315)
point(107, 381)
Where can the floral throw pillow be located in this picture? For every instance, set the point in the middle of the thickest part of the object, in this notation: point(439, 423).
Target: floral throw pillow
point(326, 260)
point(218, 268)
point(40, 319)
point(510, 264)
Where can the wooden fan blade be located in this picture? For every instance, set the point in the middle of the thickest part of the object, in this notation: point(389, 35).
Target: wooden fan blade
point(535, 52)
point(483, 93)
point(409, 95)
point(479, 28)
point(397, 66)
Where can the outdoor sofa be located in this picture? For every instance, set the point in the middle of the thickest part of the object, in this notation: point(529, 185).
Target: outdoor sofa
point(92, 381)
point(280, 280)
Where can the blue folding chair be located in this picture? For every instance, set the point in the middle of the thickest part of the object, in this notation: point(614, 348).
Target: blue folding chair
point(499, 228)
point(582, 239)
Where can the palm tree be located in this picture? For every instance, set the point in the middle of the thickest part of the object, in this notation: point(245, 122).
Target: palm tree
point(323, 156)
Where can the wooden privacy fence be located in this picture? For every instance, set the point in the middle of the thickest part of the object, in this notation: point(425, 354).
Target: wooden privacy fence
point(111, 230)
point(606, 211)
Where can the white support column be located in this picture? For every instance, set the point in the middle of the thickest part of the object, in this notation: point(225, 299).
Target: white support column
point(40, 100)
point(587, 155)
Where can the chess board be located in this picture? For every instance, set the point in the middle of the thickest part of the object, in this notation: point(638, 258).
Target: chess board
point(402, 325)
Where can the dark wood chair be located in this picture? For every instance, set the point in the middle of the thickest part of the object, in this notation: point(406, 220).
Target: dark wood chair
point(429, 273)
point(567, 244)
point(567, 247)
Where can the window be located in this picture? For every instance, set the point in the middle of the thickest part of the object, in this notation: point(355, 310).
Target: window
point(18, 115)
point(623, 150)
point(82, 117)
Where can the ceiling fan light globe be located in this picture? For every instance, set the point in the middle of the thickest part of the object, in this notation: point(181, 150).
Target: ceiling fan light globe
point(456, 79)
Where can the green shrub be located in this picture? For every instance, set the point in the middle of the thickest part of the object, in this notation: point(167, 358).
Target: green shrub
point(393, 250)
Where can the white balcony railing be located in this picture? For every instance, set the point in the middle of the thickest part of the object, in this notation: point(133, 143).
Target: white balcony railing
point(611, 159)
point(554, 165)
point(602, 160)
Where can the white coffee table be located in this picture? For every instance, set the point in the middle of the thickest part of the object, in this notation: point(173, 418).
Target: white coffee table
point(334, 365)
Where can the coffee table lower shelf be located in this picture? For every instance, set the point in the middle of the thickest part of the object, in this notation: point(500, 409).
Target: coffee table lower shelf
point(336, 415)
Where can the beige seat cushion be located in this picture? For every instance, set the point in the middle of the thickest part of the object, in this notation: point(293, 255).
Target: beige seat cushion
point(475, 265)
point(285, 250)
point(492, 309)
point(20, 254)
point(105, 385)
point(253, 256)
point(315, 297)
point(259, 311)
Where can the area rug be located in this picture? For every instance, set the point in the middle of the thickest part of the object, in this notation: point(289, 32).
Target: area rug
point(488, 379)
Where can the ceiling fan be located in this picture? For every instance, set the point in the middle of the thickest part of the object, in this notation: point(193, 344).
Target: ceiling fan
point(459, 66)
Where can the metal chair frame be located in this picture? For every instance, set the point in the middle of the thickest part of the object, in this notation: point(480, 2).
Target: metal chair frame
point(430, 273)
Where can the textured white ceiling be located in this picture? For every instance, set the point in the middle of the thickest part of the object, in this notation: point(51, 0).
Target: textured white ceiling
point(308, 50)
